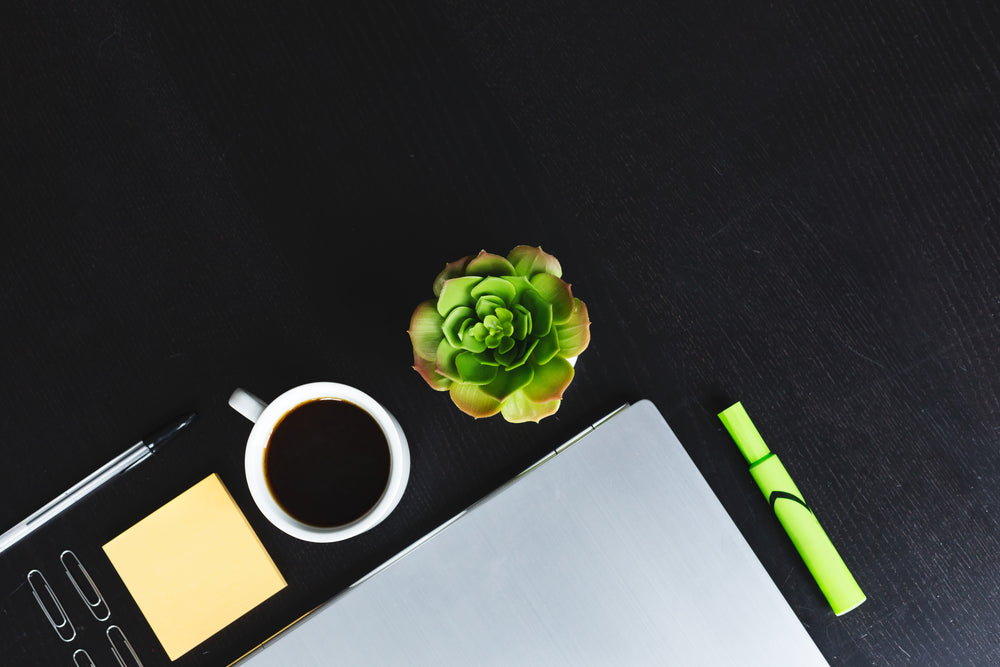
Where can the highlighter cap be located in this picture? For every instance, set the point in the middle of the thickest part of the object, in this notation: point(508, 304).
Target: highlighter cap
point(737, 422)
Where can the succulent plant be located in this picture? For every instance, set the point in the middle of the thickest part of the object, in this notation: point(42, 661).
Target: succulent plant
point(500, 335)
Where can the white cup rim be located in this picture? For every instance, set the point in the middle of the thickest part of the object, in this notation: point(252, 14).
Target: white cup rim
point(399, 461)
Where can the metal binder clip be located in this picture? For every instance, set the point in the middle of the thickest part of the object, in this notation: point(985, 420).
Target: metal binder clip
point(82, 659)
point(63, 627)
point(98, 607)
point(120, 646)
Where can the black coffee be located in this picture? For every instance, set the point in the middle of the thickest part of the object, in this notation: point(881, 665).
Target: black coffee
point(327, 462)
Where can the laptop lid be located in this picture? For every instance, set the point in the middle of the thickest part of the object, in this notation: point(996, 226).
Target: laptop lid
point(612, 551)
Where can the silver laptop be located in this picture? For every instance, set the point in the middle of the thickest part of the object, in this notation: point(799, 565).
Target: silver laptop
point(613, 550)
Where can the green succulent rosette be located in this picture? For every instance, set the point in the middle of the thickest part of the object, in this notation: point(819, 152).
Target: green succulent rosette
point(500, 335)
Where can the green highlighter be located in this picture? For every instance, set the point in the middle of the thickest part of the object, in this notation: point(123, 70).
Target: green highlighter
point(816, 549)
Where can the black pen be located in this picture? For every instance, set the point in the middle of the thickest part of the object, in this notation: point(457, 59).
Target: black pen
point(133, 456)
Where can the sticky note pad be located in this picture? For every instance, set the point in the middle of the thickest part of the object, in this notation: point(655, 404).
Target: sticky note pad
point(194, 566)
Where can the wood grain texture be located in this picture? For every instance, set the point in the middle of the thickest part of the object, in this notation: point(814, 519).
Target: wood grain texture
point(794, 206)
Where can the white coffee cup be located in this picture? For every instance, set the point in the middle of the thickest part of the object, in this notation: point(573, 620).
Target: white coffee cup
point(267, 416)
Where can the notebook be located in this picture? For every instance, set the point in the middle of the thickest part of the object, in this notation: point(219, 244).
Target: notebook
point(194, 566)
point(612, 550)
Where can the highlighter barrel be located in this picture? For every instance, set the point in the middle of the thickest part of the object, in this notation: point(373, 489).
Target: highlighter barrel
point(808, 536)
point(796, 517)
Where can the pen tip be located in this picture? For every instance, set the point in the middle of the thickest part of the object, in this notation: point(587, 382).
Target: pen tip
point(168, 432)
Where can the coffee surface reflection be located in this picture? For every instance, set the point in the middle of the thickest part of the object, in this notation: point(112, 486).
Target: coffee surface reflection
point(327, 462)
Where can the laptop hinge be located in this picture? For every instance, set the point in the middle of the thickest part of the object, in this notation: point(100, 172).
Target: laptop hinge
point(576, 438)
point(408, 549)
point(581, 434)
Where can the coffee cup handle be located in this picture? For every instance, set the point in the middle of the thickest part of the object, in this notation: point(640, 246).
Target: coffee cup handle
point(247, 404)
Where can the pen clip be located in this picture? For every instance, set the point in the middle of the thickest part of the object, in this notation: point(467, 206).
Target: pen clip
point(99, 608)
point(78, 655)
point(64, 622)
point(125, 646)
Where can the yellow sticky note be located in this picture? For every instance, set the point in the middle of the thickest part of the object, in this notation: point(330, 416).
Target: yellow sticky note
point(194, 566)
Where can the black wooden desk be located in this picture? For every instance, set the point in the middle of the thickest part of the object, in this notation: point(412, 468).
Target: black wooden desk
point(788, 204)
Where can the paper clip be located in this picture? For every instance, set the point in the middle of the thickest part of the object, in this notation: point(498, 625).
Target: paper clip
point(64, 622)
point(81, 655)
point(125, 646)
point(98, 608)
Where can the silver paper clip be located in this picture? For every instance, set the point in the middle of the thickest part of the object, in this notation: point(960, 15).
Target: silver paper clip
point(122, 645)
point(63, 627)
point(82, 659)
point(98, 607)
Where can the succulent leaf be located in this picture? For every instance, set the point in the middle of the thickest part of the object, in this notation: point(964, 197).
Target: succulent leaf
point(425, 330)
point(518, 409)
point(473, 344)
point(466, 325)
point(520, 284)
point(472, 400)
point(457, 292)
point(540, 311)
point(557, 293)
point(472, 370)
point(429, 373)
point(574, 334)
point(451, 270)
point(496, 286)
point(507, 382)
point(521, 322)
point(550, 381)
point(444, 362)
point(506, 357)
point(521, 353)
point(487, 264)
point(528, 261)
point(453, 324)
point(547, 348)
point(487, 304)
